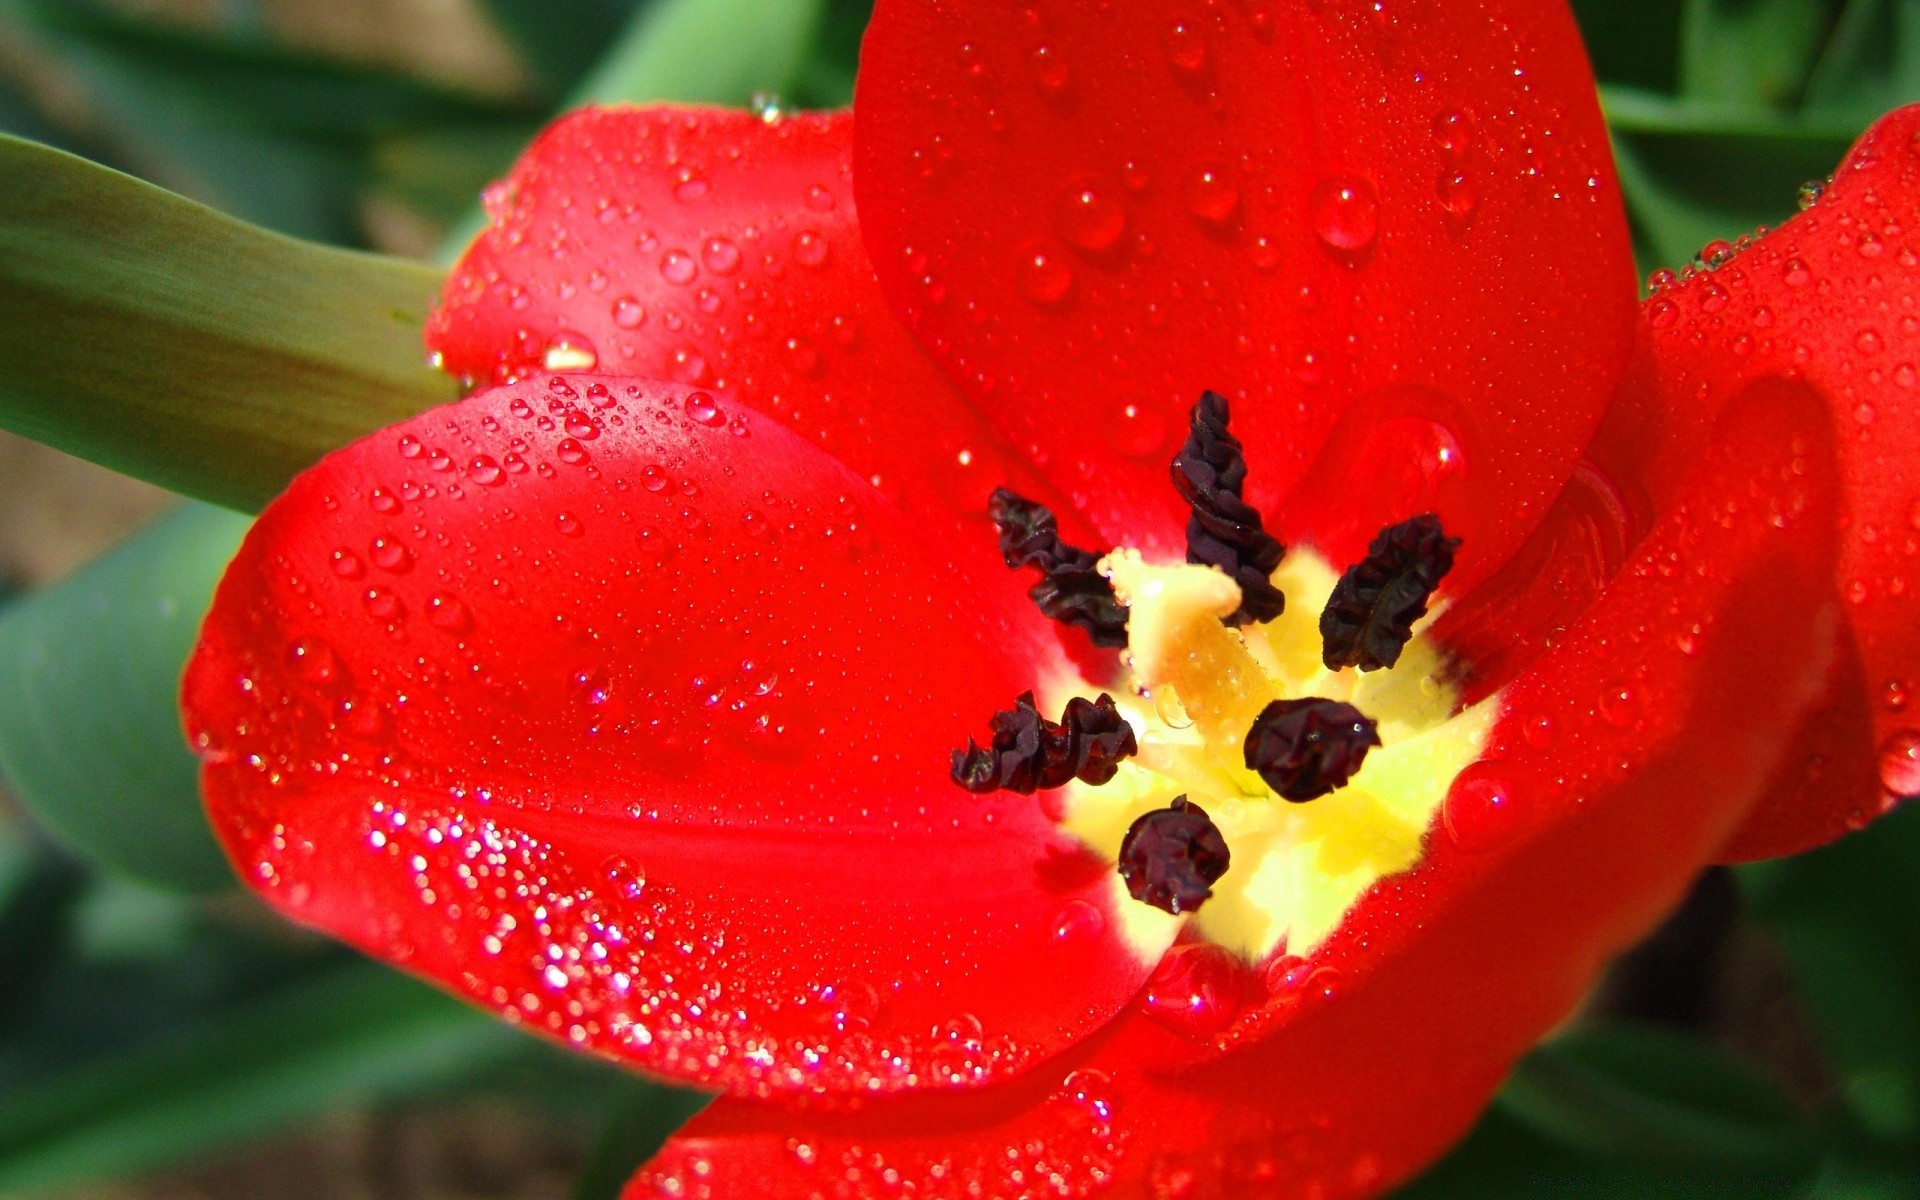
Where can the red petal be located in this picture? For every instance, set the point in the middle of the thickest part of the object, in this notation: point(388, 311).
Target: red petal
point(625, 713)
point(714, 248)
point(1361, 1065)
point(1396, 237)
point(1832, 297)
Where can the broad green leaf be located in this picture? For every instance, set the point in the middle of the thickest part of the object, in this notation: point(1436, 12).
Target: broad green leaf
point(643, 1116)
point(708, 51)
point(1626, 1112)
point(1872, 61)
point(561, 39)
point(1632, 42)
point(89, 716)
point(157, 337)
point(356, 1034)
point(251, 83)
point(1753, 53)
point(1849, 918)
point(1695, 172)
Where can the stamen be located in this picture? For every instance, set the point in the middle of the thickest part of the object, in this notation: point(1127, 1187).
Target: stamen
point(1071, 591)
point(1224, 530)
point(1305, 749)
point(1369, 618)
point(1029, 752)
point(1171, 858)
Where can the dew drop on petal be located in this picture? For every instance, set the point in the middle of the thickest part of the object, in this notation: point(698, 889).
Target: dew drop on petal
point(701, 407)
point(568, 351)
point(1900, 763)
point(1211, 196)
point(1089, 219)
point(1346, 214)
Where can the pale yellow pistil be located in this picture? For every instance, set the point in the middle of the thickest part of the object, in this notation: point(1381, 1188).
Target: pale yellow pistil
point(1193, 690)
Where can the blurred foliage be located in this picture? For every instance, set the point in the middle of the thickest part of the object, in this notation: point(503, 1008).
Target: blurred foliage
point(139, 1027)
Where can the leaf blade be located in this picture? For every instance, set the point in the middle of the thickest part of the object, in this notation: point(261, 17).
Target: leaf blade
point(273, 351)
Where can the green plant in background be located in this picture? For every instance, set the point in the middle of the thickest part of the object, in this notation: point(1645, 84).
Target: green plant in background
point(141, 1023)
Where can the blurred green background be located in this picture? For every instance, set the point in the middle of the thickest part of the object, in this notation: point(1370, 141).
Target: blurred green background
point(161, 1036)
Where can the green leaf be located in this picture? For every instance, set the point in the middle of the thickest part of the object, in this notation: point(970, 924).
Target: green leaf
point(644, 1115)
point(1694, 172)
point(708, 51)
point(250, 83)
point(1872, 61)
point(1755, 53)
point(157, 337)
point(353, 1035)
point(89, 716)
point(1618, 1111)
point(1849, 918)
point(1633, 42)
point(561, 39)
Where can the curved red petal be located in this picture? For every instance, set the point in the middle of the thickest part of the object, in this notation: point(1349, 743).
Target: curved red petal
point(1831, 297)
point(1393, 234)
point(1357, 1068)
point(625, 713)
point(720, 250)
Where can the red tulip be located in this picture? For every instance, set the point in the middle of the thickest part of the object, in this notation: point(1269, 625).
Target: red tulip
point(621, 697)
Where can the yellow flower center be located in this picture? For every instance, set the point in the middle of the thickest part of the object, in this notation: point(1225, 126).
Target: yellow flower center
point(1192, 690)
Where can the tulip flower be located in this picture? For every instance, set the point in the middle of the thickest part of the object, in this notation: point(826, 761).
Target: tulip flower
point(1139, 614)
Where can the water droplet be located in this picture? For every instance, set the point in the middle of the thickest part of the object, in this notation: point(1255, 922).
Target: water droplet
point(1662, 313)
point(1049, 70)
point(1211, 196)
point(678, 268)
point(1044, 278)
point(410, 446)
point(628, 878)
point(1900, 763)
point(1089, 219)
point(1171, 709)
point(1137, 430)
point(819, 198)
point(391, 554)
point(628, 314)
point(1796, 273)
point(382, 605)
point(485, 471)
point(1459, 200)
point(721, 256)
point(701, 407)
point(690, 185)
point(1480, 811)
point(1346, 214)
point(1810, 193)
point(382, 501)
point(315, 662)
point(1618, 705)
point(571, 452)
point(1078, 921)
point(347, 564)
point(653, 478)
point(1187, 47)
point(570, 352)
point(447, 611)
point(810, 249)
point(1197, 990)
point(1869, 341)
point(1453, 130)
point(568, 524)
point(1090, 1090)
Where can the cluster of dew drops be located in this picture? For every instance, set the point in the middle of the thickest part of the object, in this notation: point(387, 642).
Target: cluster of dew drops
point(1899, 751)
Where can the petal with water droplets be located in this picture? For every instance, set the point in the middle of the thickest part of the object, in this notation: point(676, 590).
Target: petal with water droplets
point(645, 747)
point(1829, 297)
point(1335, 1077)
point(720, 250)
point(1391, 234)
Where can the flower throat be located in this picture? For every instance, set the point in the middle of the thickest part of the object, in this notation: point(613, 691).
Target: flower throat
point(1255, 768)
